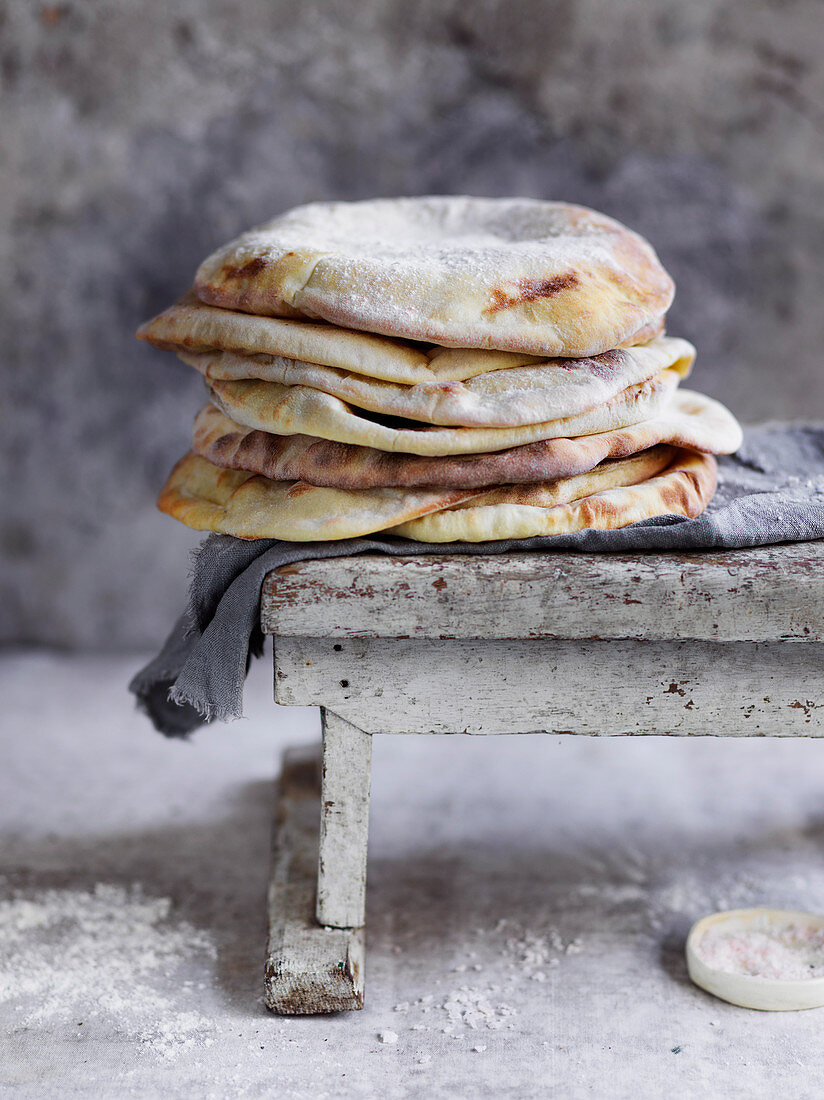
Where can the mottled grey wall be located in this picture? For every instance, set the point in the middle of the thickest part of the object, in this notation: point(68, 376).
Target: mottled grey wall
point(136, 136)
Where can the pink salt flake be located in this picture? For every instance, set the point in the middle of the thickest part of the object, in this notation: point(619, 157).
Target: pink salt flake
point(765, 950)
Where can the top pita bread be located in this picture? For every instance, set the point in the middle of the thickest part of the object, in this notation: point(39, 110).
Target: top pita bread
point(546, 278)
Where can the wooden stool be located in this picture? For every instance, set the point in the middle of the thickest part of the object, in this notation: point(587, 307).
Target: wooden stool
point(722, 643)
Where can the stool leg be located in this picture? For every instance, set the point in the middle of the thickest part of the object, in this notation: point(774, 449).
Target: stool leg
point(344, 822)
point(308, 968)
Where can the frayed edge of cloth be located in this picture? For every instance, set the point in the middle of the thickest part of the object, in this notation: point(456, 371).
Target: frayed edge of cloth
point(209, 712)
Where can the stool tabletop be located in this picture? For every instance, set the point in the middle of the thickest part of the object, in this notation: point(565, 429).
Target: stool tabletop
point(761, 594)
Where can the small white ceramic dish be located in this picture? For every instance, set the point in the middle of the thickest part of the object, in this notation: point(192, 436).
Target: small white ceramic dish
point(746, 990)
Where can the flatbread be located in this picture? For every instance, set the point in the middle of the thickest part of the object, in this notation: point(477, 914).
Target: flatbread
point(299, 410)
point(546, 278)
point(208, 498)
point(684, 488)
point(232, 502)
point(191, 326)
point(687, 420)
point(607, 475)
point(504, 398)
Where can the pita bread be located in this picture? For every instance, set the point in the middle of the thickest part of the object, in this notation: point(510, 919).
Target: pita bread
point(684, 488)
point(208, 498)
point(205, 497)
point(687, 420)
point(299, 410)
point(523, 275)
point(191, 326)
point(548, 494)
point(508, 398)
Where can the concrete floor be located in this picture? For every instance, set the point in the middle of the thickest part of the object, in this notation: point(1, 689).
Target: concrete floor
point(528, 903)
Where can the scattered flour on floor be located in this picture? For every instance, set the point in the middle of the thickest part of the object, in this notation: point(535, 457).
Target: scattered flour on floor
point(471, 1008)
point(536, 954)
point(459, 1012)
point(78, 957)
point(523, 956)
point(695, 896)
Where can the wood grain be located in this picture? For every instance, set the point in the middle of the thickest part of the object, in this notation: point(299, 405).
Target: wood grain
point(591, 687)
point(346, 775)
point(766, 594)
point(309, 969)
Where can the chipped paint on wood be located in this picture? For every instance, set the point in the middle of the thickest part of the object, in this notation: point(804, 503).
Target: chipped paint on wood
point(590, 687)
point(344, 821)
point(773, 593)
point(309, 969)
point(588, 644)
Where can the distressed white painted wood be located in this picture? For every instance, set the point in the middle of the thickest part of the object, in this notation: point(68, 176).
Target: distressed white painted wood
point(421, 685)
point(597, 644)
point(772, 593)
point(344, 822)
point(309, 969)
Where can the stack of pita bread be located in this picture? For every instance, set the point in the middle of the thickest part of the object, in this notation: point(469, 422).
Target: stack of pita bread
point(442, 368)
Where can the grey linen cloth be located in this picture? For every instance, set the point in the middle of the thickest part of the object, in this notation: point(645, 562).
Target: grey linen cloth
point(771, 491)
